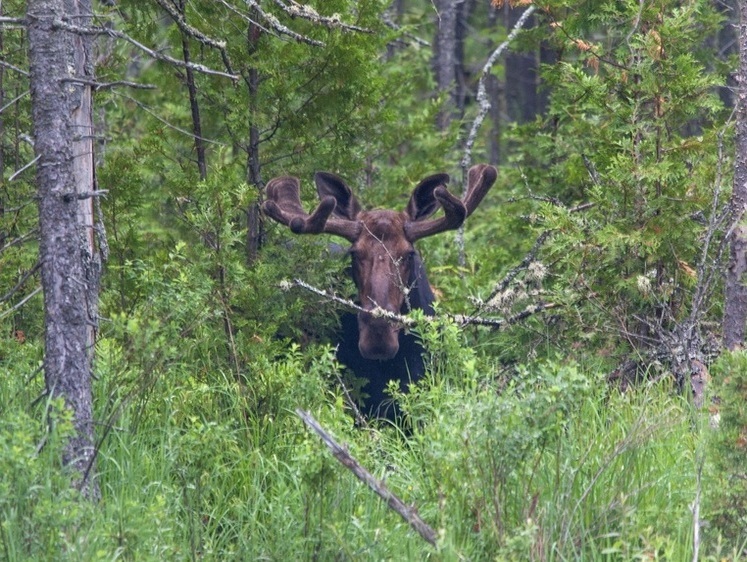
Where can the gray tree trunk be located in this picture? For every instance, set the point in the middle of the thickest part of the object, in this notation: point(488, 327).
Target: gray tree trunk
point(735, 306)
point(445, 57)
point(63, 137)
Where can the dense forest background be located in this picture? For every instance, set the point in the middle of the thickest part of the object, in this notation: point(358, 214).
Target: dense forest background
point(580, 402)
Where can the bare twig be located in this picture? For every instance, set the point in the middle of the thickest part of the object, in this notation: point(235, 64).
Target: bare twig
point(497, 322)
point(387, 19)
point(20, 283)
point(279, 28)
point(528, 258)
point(297, 10)
point(155, 115)
point(484, 104)
point(12, 22)
point(14, 68)
point(196, 34)
point(109, 85)
point(59, 24)
point(14, 100)
point(19, 171)
point(359, 419)
point(409, 322)
point(376, 312)
point(408, 513)
point(20, 239)
point(20, 303)
point(696, 508)
point(482, 94)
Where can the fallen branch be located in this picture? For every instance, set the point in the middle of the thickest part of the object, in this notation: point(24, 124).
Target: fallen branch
point(408, 513)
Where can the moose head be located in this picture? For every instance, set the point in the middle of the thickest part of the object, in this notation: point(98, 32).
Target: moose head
point(382, 241)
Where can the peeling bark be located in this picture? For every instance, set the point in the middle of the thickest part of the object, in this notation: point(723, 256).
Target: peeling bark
point(63, 142)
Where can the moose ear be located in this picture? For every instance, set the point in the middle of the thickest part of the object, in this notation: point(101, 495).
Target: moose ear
point(423, 203)
point(330, 185)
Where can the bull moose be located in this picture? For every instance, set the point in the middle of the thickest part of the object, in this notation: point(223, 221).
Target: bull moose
point(386, 268)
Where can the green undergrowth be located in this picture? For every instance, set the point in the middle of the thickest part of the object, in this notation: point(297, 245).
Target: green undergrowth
point(540, 462)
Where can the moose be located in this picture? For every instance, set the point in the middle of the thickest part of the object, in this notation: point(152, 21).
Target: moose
point(386, 268)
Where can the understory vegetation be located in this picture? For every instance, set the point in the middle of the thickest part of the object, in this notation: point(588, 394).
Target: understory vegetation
point(556, 421)
point(544, 461)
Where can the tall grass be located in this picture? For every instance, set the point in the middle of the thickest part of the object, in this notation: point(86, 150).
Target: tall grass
point(543, 463)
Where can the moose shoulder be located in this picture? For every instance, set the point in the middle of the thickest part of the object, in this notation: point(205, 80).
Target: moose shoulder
point(386, 268)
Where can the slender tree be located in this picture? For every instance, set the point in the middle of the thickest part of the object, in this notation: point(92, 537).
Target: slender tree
point(735, 306)
point(61, 74)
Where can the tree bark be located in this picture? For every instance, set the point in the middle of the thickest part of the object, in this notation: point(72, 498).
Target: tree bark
point(735, 306)
point(194, 104)
point(254, 230)
point(63, 142)
point(445, 57)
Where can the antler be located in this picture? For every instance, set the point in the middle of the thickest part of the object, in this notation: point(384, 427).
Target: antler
point(284, 205)
point(480, 178)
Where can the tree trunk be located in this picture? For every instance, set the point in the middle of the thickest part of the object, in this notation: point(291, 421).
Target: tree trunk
point(735, 306)
point(63, 136)
point(254, 231)
point(445, 52)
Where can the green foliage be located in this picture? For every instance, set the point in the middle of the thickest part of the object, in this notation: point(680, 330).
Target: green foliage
point(637, 137)
point(544, 463)
point(728, 487)
point(514, 448)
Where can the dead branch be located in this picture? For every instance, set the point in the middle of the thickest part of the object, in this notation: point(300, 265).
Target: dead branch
point(15, 99)
point(153, 114)
point(196, 34)
point(9, 22)
point(484, 104)
point(482, 95)
point(296, 10)
point(97, 86)
point(497, 323)
point(696, 507)
point(14, 68)
point(376, 312)
point(59, 24)
point(528, 258)
point(387, 19)
point(408, 513)
point(20, 303)
point(20, 283)
point(279, 28)
point(20, 239)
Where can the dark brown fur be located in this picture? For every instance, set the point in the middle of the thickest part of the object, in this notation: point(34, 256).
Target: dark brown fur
point(382, 240)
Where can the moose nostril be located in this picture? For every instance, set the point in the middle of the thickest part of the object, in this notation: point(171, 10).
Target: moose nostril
point(378, 339)
point(378, 350)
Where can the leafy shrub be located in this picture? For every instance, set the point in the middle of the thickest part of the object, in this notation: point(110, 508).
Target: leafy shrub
point(728, 452)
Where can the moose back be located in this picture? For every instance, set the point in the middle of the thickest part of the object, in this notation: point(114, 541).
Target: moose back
point(386, 268)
